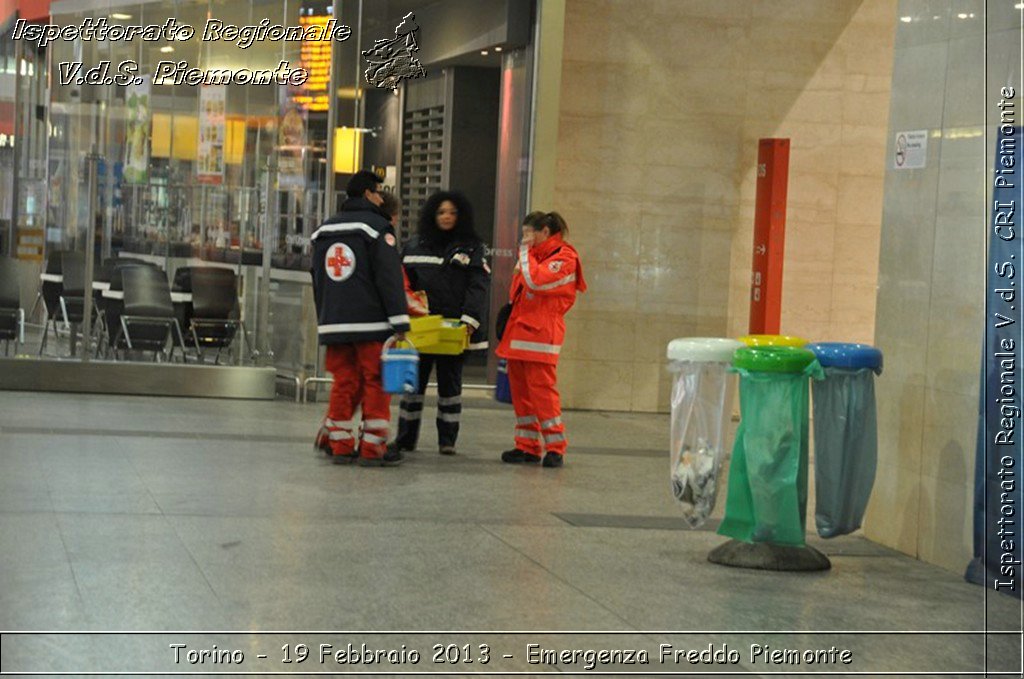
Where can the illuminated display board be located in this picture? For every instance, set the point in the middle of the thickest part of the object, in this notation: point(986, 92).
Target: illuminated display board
point(315, 56)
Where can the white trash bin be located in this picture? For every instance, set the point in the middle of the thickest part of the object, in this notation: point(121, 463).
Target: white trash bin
point(702, 392)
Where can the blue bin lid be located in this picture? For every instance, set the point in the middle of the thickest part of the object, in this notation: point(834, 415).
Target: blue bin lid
point(847, 355)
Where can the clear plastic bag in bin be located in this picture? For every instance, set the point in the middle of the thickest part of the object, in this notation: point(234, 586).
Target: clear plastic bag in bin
point(702, 391)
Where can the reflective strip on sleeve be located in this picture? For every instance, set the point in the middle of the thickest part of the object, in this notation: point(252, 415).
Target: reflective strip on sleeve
point(399, 320)
point(539, 347)
point(524, 265)
point(469, 320)
point(553, 422)
point(345, 228)
point(51, 278)
point(351, 327)
point(422, 259)
point(449, 400)
point(477, 346)
point(571, 278)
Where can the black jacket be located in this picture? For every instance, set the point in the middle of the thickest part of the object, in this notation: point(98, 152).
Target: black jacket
point(456, 278)
point(357, 276)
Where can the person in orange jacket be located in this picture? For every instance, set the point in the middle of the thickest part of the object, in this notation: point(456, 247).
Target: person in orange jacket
point(547, 277)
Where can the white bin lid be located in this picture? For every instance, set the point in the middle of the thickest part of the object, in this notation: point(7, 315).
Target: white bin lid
point(705, 349)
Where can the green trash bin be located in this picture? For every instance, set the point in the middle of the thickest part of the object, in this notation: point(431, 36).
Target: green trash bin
point(767, 492)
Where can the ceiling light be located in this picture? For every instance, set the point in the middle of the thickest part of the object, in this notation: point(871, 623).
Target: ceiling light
point(906, 20)
point(120, 17)
point(483, 52)
point(1019, 5)
point(166, 49)
point(962, 15)
point(497, 49)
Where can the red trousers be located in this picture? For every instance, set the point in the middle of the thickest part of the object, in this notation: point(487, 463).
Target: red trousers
point(356, 371)
point(538, 407)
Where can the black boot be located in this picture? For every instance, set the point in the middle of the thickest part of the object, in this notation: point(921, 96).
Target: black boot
point(553, 460)
point(516, 456)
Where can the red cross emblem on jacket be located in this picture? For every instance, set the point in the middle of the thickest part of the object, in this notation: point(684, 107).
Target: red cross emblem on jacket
point(340, 262)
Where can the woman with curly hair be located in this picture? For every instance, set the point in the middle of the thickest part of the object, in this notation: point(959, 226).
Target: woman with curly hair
point(447, 260)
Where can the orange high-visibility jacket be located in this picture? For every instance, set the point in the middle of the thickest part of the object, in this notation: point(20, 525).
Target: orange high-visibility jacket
point(541, 294)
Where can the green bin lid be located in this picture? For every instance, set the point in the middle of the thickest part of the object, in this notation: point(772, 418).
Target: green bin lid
point(773, 359)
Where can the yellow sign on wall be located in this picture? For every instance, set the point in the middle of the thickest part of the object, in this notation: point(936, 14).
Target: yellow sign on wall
point(185, 129)
point(348, 150)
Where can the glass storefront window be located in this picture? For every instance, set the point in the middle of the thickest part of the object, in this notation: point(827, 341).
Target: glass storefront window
point(179, 176)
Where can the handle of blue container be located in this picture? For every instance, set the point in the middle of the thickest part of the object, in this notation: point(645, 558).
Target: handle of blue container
point(392, 341)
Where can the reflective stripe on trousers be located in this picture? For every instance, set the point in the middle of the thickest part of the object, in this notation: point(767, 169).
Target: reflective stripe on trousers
point(356, 371)
point(449, 401)
point(538, 407)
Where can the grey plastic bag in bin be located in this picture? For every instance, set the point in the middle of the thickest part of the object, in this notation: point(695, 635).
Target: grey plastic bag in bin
point(701, 407)
point(845, 435)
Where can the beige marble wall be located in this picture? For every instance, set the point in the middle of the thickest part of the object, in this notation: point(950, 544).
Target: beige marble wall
point(931, 279)
point(661, 106)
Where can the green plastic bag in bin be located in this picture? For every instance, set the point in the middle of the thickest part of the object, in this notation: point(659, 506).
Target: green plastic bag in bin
point(767, 497)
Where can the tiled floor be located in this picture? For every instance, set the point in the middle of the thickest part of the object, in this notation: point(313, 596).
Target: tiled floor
point(170, 515)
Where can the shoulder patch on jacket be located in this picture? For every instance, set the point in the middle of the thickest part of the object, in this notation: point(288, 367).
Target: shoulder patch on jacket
point(556, 266)
point(389, 239)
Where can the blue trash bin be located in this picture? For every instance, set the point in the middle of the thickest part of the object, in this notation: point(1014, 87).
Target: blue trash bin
point(845, 435)
point(502, 388)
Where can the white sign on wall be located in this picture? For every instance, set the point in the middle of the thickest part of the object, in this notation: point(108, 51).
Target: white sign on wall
point(911, 150)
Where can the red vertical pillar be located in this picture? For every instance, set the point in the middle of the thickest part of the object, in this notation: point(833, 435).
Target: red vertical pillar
point(34, 10)
point(769, 236)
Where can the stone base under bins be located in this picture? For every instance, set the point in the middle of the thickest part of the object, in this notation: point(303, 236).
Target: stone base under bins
point(769, 557)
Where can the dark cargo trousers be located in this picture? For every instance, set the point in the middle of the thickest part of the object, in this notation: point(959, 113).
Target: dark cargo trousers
point(449, 402)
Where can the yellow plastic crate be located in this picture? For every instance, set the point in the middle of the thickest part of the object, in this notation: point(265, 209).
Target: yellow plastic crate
point(453, 339)
point(425, 331)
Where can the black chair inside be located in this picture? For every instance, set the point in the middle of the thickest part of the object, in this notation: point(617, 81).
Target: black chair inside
point(102, 276)
point(215, 315)
point(73, 293)
point(113, 299)
point(10, 299)
point(148, 314)
point(51, 290)
point(183, 279)
point(183, 310)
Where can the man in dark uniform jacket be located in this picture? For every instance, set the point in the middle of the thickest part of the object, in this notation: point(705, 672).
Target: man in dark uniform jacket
point(360, 301)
